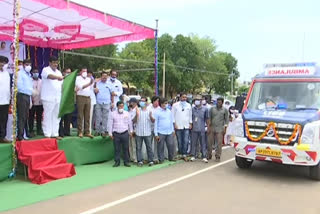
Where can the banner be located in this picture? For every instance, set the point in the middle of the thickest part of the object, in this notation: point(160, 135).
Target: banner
point(7, 50)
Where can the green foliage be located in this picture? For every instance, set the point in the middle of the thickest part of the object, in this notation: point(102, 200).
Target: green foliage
point(192, 64)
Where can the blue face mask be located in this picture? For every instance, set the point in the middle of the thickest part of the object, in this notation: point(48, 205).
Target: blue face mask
point(142, 104)
point(113, 78)
point(35, 75)
point(183, 102)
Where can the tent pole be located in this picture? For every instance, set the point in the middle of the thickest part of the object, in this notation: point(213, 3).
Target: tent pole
point(156, 86)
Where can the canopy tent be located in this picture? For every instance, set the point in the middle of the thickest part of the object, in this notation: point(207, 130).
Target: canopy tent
point(62, 24)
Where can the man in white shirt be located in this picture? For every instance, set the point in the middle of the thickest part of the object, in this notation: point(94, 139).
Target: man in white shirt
point(182, 119)
point(4, 99)
point(83, 83)
point(117, 86)
point(50, 96)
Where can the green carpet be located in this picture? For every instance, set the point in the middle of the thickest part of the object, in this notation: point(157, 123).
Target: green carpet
point(5, 161)
point(17, 193)
point(81, 151)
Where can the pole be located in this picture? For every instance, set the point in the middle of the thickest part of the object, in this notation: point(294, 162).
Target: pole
point(63, 60)
point(232, 83)
point(156, 86)
point(164, 76)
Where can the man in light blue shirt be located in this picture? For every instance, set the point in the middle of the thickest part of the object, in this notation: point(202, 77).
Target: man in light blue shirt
point(103, 90)
point(163, 130)
point(25, 88)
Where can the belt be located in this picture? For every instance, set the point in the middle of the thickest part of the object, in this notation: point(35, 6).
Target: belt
point(83, 96)
point(121, 132)
point(24, 94)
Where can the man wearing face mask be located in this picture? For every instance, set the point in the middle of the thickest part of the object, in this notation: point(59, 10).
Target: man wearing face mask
point(163, 130)
point(37, 108)
point(133, 106)
point(143, 120)
point(199, 121)
point(51, 90)
point(4, 99)
point(25, 89)
point(117, 86)
point(182, 119)
point(83, 83)
point(120, 129)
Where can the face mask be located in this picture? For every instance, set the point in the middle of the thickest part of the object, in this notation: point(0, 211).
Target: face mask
point(183, 102)
point(20, 67)
point(28, 68)
point(167, 105)
point(113, 78)
point(142, 104)
point(197, 102)
point(84, 74)
point(204, 102)
point(120, 111)
point(35, 75)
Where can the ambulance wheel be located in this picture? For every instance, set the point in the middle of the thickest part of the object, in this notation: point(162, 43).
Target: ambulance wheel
point(314, 172)
point(243, 163)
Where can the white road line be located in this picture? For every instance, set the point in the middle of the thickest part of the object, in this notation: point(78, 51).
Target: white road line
point(144, 192)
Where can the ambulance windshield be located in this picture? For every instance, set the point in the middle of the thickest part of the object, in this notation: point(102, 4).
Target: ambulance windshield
point(291, 96)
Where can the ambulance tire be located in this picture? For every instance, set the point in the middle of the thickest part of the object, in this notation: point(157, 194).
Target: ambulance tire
point(314, 172)
point(243, 163)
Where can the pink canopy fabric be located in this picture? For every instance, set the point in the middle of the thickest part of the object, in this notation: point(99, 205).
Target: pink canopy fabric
point(62, 24)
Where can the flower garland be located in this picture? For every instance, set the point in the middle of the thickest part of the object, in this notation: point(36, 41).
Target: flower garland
point(16, 15)
point(272, 125)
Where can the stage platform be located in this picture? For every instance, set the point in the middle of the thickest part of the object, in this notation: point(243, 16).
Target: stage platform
point(79, 151)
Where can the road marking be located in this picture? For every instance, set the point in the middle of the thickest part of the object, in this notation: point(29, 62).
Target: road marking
point(144, 192)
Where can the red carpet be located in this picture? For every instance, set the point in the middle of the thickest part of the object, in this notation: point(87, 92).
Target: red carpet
point(45, 162)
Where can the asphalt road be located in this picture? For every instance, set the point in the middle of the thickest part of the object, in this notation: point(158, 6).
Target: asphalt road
point(218, 188)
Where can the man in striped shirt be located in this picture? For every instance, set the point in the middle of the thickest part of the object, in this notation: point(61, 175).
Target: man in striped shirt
point(143, 120)
point(120, 128)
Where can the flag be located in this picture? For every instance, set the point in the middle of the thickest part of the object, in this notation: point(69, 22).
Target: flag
point(67, 98)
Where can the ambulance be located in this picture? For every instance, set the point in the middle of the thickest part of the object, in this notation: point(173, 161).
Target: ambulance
point(280, 121)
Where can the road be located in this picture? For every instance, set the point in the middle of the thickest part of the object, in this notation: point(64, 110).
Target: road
point(196, 187)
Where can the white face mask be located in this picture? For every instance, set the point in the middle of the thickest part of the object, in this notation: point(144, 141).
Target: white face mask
point(120, 110)
point(84, 74)
point(204, 102)
point(197, 102)
point(28, 68)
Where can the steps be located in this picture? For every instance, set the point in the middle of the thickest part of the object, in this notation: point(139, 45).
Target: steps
point(44, 161)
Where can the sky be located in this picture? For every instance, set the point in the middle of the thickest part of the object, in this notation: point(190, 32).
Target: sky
point(255, 32)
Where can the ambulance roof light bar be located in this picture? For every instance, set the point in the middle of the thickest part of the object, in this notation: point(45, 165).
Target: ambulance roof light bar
point(303, 64)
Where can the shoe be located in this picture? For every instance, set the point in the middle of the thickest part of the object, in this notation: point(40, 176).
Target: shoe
point(39, 132)
point(192, 159)
point(217, 159)
point(173, 160)
point(210, 157)
point(89, 135)
point(156, 161)
point(205, 160)
point(104, 135)
point(97, 134)
point(127, 165)
point(80, 135)
point(31, 135)
point(58, 138)
point(4, 140)
point(116, 164)
point(161, 162)
point(151, 163)
point(140, 164)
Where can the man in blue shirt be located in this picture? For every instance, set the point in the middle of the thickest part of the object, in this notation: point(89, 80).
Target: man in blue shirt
point(25, 88)
point(103, 90)
point(163, 130)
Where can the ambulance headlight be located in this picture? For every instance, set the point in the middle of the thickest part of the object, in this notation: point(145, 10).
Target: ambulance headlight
point(308, 133)
point(238, 130)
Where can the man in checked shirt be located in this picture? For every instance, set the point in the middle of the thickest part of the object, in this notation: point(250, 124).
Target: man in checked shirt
point(120, 129)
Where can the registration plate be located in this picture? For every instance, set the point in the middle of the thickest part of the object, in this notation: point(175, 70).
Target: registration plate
point(268, 152)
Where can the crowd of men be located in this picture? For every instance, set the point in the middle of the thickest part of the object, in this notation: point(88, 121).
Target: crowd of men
point(102, 107)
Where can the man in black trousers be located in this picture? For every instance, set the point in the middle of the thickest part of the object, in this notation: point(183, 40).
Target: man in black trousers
point(25, 88)
point(5, 96)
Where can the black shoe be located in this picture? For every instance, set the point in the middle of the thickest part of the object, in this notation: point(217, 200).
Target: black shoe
point(127, 165)
point(173, 160)
point(116, 164)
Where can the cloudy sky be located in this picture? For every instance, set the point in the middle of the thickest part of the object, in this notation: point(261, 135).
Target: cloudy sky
point(254, 31)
